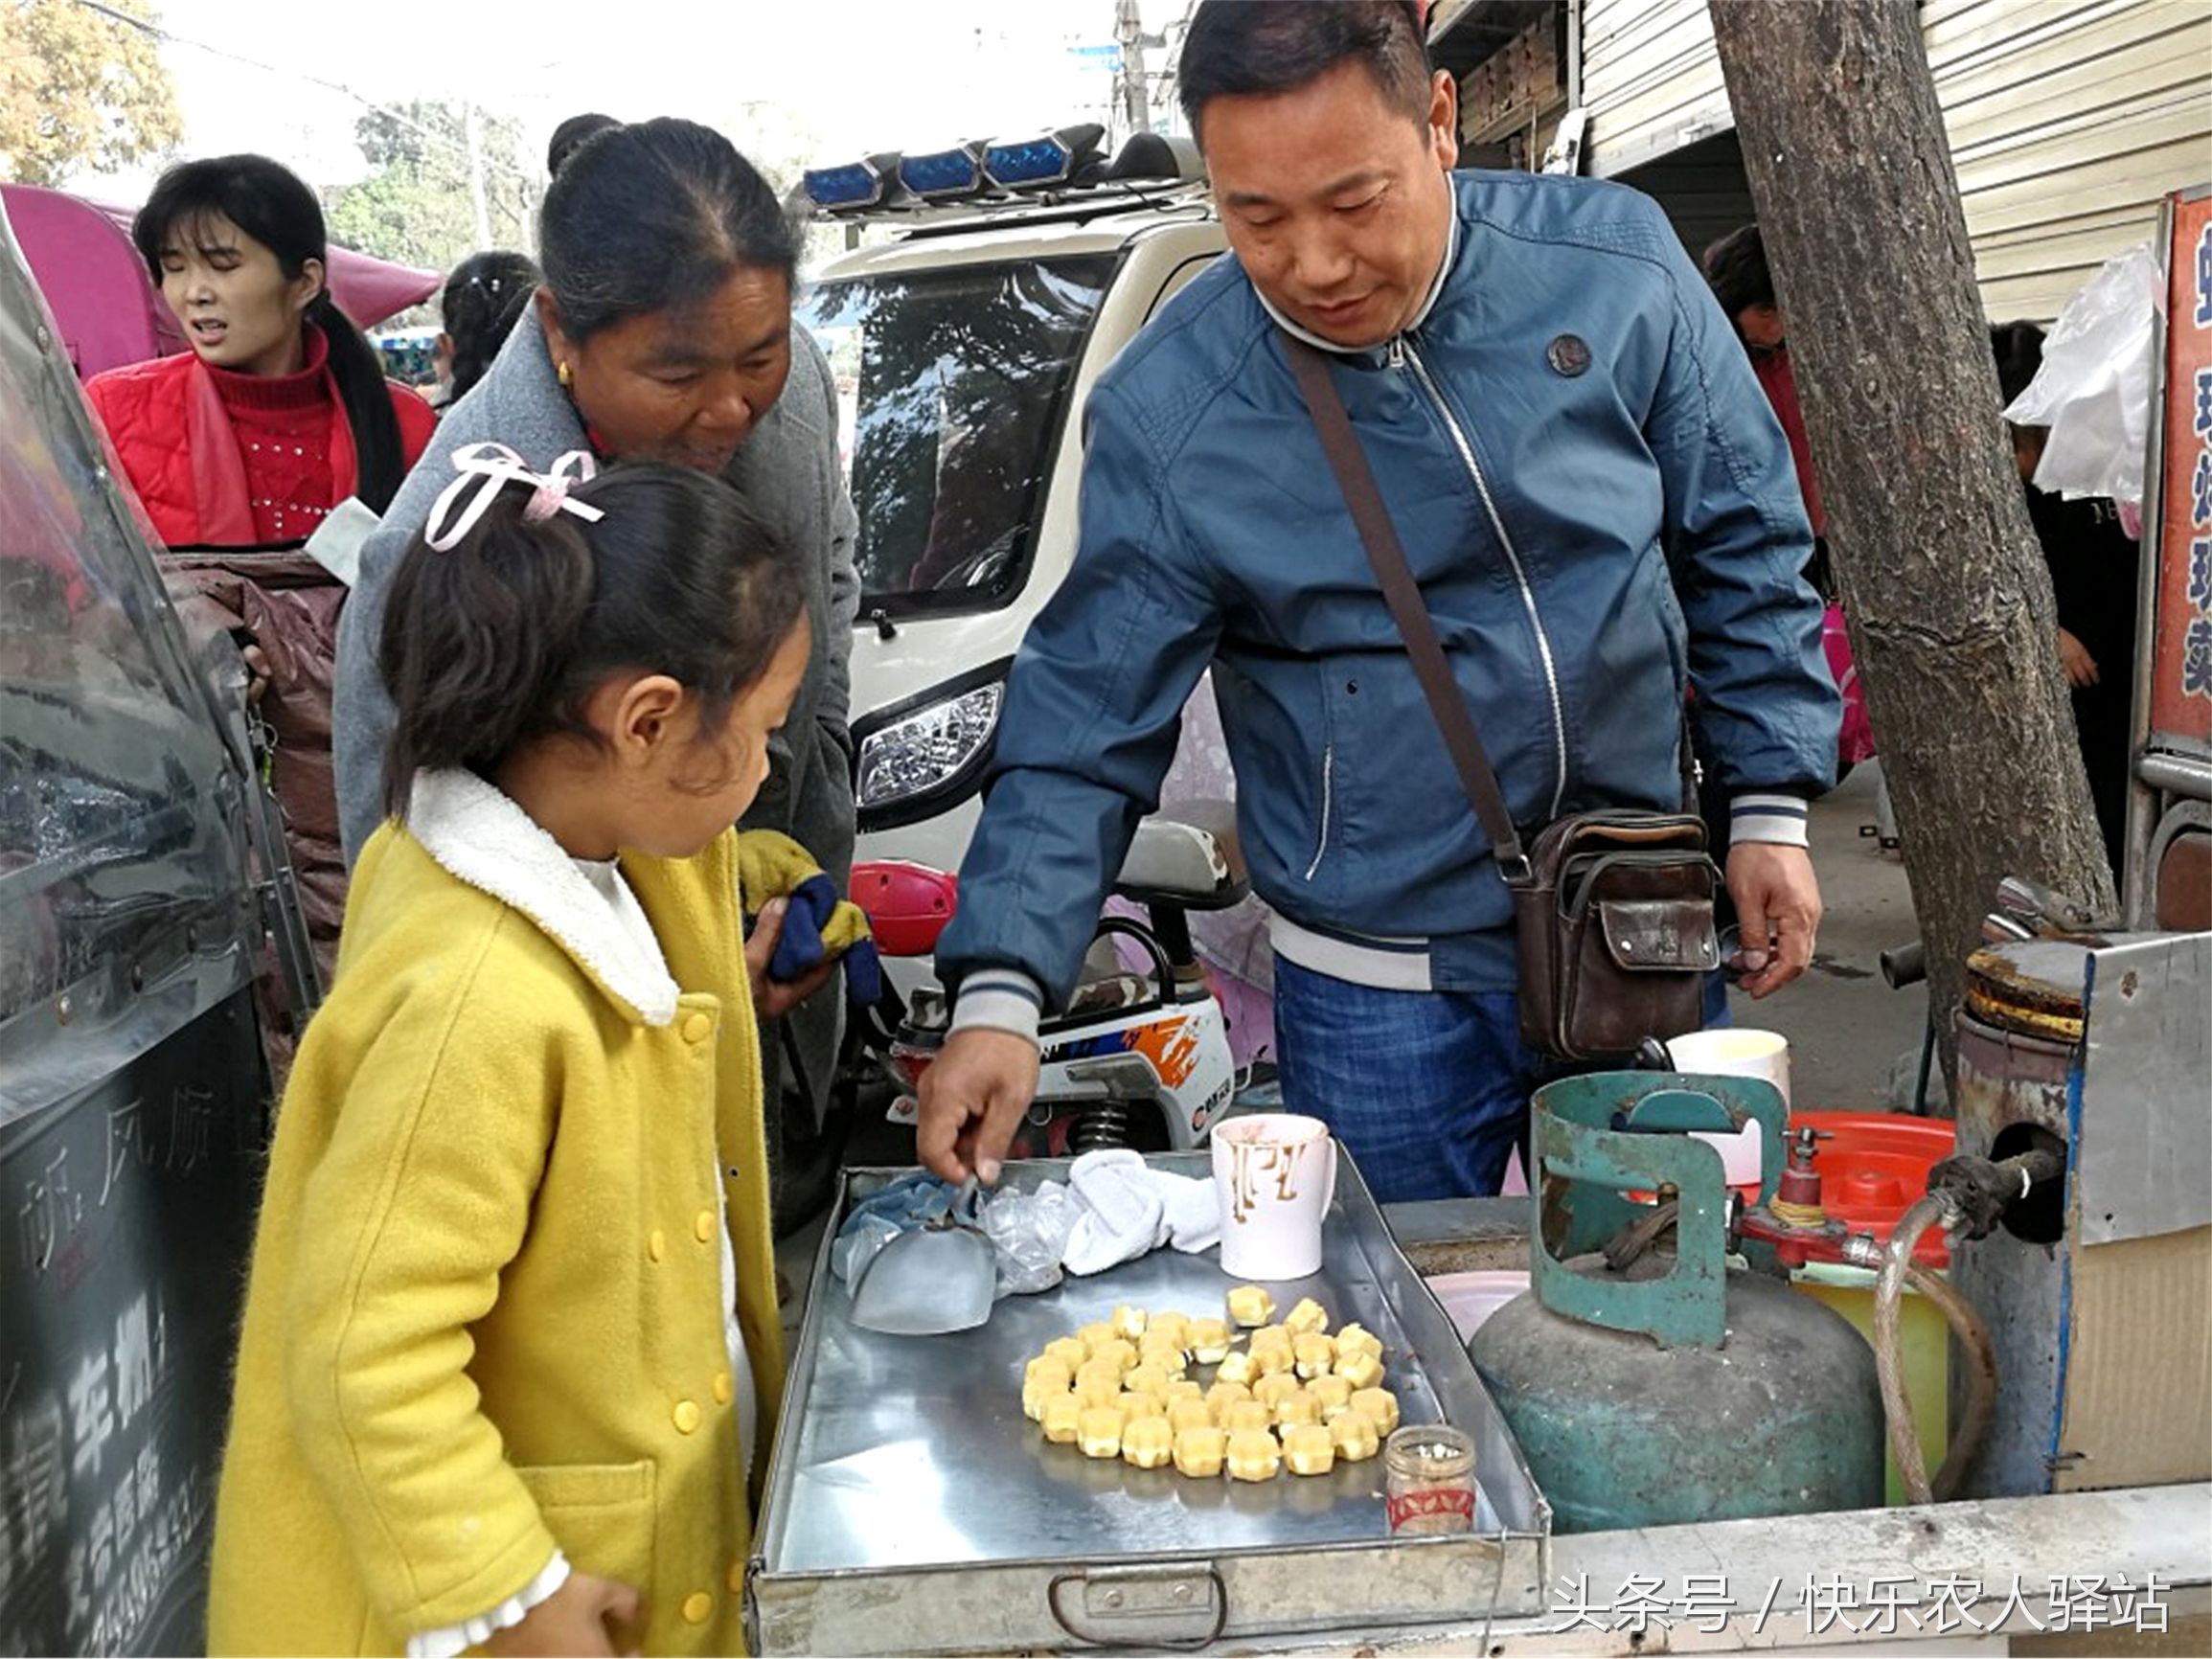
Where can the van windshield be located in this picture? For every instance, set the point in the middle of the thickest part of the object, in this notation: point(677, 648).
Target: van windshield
point(953, 389)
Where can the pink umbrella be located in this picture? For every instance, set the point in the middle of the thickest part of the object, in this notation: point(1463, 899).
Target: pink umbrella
point(108, 311)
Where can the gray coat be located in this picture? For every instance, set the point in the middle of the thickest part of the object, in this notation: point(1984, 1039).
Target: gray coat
point(787, 470)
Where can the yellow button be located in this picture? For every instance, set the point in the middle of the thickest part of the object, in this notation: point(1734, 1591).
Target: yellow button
point(658, 1245)
point(703, 1225)
point(723, 1391)
point(697, 1028)
point(738, 1579)
point(687, 1416)
point(697, 1606)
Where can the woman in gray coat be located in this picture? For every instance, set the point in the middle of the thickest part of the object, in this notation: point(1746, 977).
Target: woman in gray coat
point(663, 331)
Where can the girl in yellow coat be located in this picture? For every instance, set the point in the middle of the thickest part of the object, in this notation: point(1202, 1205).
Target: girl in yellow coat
point(511, 1349)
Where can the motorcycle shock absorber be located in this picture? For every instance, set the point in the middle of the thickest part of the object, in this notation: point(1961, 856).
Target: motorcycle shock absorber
point(1103, 1127)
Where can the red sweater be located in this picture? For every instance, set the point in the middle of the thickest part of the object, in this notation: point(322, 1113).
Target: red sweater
point(227, 460)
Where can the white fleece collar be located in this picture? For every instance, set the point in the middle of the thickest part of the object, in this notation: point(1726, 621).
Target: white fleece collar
point(480, 837)
point(1428, 303)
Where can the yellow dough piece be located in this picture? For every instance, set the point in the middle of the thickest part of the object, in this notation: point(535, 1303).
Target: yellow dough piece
point(1209, 1340)
point(1184, 1388)
point(1130, 1322)
point(1274, 1358)
point(1363, 1370)
point(1359, 1339)
point(1115, 1350)
point(1270, 1391)
point(1148, 1442)
point(1270, 1336)
point(1296, 1409)
point(1174, 1327)
point(1199, 1452)
point(1063, 1420)
point(1145, 1379)
point(1139, 1402)
point(1045, 1385)
point(1354, 1436)
point(1098, 1390)
point(1378, 1405)
point(1165, 1352)
point(1047, 1368)
point(1098, 1432)
point(1333, 1393)
point(1306, 1319)
point(1070, 1350)
point(1248, 1417)
point(1091, 1335)
point(1223, 1394)
point(1236, 1368)
point(1253, 1456)
point(1309, 1451)
point(1316, 1354)
point(1185, 1414)
point(1250, 1304)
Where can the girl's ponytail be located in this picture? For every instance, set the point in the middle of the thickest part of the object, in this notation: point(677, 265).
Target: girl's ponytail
point(378, 460)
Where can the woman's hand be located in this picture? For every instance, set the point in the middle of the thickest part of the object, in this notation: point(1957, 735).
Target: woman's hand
point(773, 998)
point(585, 1615)
point(2074, 657)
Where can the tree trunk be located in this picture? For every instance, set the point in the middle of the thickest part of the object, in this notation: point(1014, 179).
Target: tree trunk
point(1952, 618)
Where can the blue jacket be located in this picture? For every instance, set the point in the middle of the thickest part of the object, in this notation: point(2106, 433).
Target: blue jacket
point(1590, 543)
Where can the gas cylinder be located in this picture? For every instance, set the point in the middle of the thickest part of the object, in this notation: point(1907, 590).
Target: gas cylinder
point(1647, 1382)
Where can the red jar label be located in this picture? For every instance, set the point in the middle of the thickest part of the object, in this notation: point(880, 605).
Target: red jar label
point(1433, 1501)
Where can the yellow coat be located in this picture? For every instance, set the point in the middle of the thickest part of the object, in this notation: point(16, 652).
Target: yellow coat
point(485, 1317)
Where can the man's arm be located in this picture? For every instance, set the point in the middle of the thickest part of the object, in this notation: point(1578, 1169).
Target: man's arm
point(1737, 540)
point(1092, 710)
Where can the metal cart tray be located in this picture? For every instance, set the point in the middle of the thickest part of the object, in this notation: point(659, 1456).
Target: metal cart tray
point(913, 1509)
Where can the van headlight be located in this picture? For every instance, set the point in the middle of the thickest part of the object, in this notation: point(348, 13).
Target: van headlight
point(918, 761)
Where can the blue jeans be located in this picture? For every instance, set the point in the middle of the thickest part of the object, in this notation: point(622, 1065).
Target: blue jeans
point(1427, 1090)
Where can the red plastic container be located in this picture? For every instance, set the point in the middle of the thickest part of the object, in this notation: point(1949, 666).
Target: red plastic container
point(1876, 1168)
point(907, 904)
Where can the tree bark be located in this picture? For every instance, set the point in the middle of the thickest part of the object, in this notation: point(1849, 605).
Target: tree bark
point(1952, 618)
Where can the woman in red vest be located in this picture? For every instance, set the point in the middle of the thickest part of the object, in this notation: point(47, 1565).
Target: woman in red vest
point(280, 410)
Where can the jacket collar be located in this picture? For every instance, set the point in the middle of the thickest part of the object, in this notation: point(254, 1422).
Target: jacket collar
point(1428, 303)
point(480, 837)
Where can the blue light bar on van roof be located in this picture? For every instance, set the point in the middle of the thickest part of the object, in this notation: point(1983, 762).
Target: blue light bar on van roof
point(940, 173)
point(1037, 161)
point(840, 188)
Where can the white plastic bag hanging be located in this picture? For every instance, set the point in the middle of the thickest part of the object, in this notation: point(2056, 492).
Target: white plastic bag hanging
point(2093, 391)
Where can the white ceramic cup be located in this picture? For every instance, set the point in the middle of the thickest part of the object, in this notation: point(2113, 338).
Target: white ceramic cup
point(1733, 1052)
point(1274, 1175)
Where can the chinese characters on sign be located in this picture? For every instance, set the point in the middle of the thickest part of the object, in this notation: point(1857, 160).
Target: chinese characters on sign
point(1833, 1606)
point(2182, 660)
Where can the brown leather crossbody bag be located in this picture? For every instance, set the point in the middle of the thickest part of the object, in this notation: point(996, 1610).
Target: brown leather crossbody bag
point(1613, 910)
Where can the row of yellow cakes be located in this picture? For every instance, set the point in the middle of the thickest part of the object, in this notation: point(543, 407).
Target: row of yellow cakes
point(1291, 1394)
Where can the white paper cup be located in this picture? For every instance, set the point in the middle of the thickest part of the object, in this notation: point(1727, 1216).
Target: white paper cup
point(1733, 1052)
point(1274, 1175)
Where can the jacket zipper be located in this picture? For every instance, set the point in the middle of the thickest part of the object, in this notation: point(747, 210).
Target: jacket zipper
point(1328, 796)
point(1402, 353)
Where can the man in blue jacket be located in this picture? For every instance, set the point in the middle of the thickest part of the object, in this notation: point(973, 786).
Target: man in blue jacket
point(1600, 509)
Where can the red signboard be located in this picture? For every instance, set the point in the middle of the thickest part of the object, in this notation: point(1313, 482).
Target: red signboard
point(2182, 654)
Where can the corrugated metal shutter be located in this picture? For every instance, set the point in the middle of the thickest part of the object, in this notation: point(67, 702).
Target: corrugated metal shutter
point(2068, 120)
point(1650, 81)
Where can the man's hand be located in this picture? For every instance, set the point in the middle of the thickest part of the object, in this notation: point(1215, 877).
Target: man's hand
point(2074, 657)
point(586, 1614)
point(972, 1098)
point(1778, 910)
point(773, 998)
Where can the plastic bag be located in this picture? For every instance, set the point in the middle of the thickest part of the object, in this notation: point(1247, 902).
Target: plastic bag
point(876, 1220)
point(1028, 1231)
point(2093, 391)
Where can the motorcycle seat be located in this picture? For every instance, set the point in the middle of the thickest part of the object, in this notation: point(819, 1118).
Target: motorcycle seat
point(1191, 861)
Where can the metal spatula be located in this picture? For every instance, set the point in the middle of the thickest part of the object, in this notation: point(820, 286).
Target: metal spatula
point(939, 1278)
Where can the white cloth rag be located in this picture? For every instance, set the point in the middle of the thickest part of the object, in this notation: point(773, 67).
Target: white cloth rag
point(1129, 1209)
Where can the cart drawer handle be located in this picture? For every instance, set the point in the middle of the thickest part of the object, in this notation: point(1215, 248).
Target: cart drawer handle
point(1164, 1605)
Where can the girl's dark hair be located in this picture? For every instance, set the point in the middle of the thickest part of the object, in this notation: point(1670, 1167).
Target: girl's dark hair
point(1736, 268)
point(503, 638)
point(483, 299)
point(270, 203)
point(2020, 355)
point(1235, 48)
point(651, 216)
